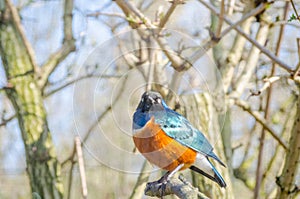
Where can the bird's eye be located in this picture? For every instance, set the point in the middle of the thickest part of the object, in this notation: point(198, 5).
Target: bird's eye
point(158, 100)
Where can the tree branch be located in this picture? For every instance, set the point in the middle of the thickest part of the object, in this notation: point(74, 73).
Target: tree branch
point(176, 185)
point(259, 118)
point(286, 181)
point(295, 10)
point(81, 167)
point(67, 47)
point(252, 41)
point(172, 8)
point(51, 92)
point(17, 24)
point(5, 121)
point(221, 19)
point(99, 118)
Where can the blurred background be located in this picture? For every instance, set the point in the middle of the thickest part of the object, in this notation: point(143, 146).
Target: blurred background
point(234, 77)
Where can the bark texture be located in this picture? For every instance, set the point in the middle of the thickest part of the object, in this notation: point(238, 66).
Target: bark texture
point(43, 168)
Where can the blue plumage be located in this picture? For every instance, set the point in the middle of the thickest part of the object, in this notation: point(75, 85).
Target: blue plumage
point(180, 129)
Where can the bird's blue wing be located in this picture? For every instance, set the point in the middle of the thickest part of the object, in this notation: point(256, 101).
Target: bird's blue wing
point(179, 128)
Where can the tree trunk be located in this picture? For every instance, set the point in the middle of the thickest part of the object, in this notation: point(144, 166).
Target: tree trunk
point(42, 166)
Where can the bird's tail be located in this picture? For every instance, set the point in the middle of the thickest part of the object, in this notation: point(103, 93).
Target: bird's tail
point(207, 169)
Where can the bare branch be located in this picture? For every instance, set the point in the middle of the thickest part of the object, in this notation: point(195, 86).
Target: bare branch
point(221, 19)
point(259, 118)
point(67, 47)
point(97, 14)
point(81, 167)
point(295, 10)
point(136, 19)
point(212, 42)
point(176, 185)
point(252, 41)
point(49, 93)
point(172, 8)
point(99, 118)
point(269, 81)
point(5, 121)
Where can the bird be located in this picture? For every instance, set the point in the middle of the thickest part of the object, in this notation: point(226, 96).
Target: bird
point(168, 140)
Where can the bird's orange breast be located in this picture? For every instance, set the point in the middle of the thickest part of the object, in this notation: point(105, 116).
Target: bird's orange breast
point(162, 150)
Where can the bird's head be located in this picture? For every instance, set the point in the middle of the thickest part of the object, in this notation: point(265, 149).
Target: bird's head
point(151, 101)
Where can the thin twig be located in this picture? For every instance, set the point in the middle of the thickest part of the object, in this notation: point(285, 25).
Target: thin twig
point(49, 93)
point(259, 118)
point(97, 14)
point(221, 19)
point(295, 10)
point(267, 110)
point(81, 167)
point(5, 121)
point(172, 8)
point(252, 41)
point(268, 82)
point(211, 43)
point(99, 118)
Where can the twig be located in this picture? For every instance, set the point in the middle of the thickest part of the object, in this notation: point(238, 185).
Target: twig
point(297, 73)
point(267, 110)
point(49, 93)
point(81, 167)
point(211, 43)
point(176, 185)
point(178, 62)
point(172, 8)
point(295, 10)
point(67, 47)
point(259, 118)
point(5, 121)
point(221, 19)
point(99, 118)
point(252, 41)
point(17, 23)
point(97, 14)
point(269, 81)
point(252, 60)
point(285, 131)
point(230, 7)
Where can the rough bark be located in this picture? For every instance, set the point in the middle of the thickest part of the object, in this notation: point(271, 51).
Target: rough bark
point(43, 168)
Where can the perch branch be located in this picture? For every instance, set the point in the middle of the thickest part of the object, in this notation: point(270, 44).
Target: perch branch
point(176, 185)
